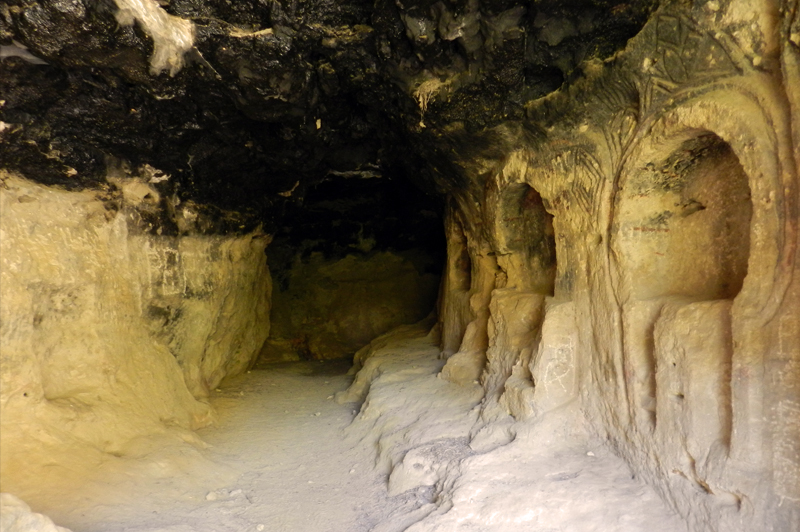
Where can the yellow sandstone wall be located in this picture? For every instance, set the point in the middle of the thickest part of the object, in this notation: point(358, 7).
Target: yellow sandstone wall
point(639, 258)
point(109, 333)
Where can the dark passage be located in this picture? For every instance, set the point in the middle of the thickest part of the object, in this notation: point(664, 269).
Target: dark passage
point(358, 256)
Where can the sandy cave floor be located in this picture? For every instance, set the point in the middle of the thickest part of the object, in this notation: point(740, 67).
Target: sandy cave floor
point(285, 457)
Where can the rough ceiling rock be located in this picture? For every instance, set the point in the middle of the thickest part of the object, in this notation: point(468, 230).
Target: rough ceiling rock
point(272, 97)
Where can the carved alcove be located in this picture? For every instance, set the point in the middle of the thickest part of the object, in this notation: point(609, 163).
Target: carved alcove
point(530, 322)
point(684, 222)
point(525, 239)
point(681, 237)
point(469, 281)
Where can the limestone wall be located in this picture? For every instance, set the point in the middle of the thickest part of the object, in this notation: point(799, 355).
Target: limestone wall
point(671, 176)
point(108, 332)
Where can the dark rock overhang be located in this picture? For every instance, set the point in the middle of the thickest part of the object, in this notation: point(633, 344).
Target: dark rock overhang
point(270, 98)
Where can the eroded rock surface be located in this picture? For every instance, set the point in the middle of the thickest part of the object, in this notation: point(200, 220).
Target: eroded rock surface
point(671, 177)
point(109, 333)
point(621, 207)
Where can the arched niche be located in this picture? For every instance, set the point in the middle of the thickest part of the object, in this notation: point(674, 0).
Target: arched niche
point(525, 239)
point(683, 221)
point(756, 132)
point(756, 127)
point(681, 239)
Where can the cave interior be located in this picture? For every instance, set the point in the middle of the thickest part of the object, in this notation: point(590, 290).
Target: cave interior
point(550, 221)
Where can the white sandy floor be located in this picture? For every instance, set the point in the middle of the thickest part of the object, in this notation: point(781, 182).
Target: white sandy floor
point(285, 457)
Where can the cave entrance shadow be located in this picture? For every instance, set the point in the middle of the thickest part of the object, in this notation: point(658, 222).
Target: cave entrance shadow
point(331, 368)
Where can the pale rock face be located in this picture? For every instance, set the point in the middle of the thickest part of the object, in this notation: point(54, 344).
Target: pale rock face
point(109, 335)
point(553, 369)
point(172, 36)
point(693, 402)
point(16, 516)
point(514, 325)
point(208, 300)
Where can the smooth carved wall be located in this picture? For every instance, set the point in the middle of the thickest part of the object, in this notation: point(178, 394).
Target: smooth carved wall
point(670, 174)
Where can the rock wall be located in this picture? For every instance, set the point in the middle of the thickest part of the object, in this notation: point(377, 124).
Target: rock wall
point(332, 307)
point(110, 332)
point(639, 254)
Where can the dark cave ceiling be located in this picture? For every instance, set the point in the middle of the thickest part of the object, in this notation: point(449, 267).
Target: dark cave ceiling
point(278, 96)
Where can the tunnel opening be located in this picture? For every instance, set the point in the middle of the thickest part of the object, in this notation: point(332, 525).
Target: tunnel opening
point(355, 257)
